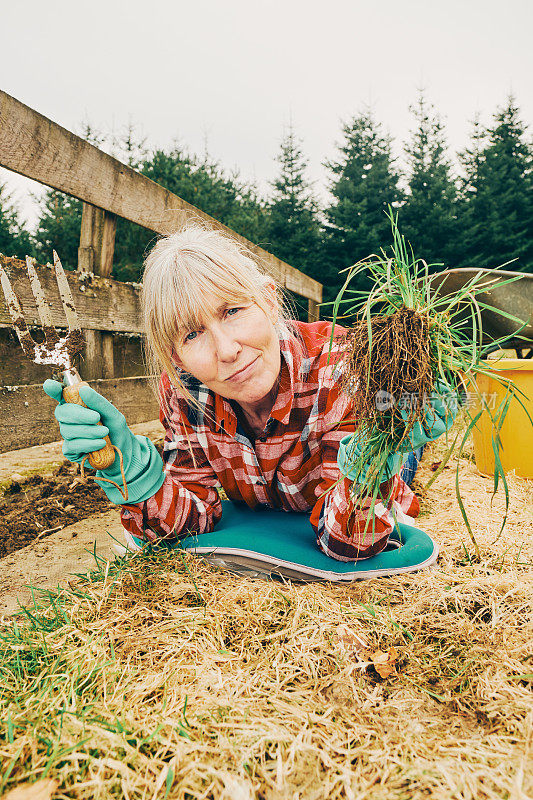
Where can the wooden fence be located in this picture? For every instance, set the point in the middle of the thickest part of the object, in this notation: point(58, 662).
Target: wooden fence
point(109, 311)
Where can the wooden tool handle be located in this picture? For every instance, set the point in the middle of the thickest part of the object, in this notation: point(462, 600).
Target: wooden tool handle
point(99, 459)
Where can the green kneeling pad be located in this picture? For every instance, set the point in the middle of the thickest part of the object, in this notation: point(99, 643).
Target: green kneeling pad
point(270, 542)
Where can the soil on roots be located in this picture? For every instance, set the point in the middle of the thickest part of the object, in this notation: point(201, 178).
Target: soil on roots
point(397, 363)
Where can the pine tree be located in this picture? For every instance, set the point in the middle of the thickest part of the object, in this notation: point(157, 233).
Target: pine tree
point(201, 182)
point(14, 239)
point(363, 183)
point(247, 212)
point(496, 196)
point(131, 240)
point(470, 158)
point(172, 169)
point(58, 228)
point(293, 227)
point(428, 218)
point(59, 223)
point(129, 146)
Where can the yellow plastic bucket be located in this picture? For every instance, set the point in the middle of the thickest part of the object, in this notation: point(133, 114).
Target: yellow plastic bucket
point(516, 433)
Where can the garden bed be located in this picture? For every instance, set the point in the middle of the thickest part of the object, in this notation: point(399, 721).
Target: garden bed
point(33, 508)
point(48, 495)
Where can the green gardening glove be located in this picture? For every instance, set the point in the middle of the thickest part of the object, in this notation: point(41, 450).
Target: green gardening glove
point(440, 412)
point(350, 449)
point(143, 466)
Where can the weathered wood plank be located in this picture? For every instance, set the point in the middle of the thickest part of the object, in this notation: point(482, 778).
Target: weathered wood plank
point(104, 267)
point(86, 249)
point(27, 414)
point(97, 241)
point(101, 303)
point(313, 311)
point(92, 219)
point(15, 368)
point(95, 254)
point(108, 358)
point(33, 145)
point(92, 356)
point(107, 244)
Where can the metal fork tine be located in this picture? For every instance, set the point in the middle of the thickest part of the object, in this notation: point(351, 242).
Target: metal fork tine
point(43, 309)
point(14, 308)
point(66, 295)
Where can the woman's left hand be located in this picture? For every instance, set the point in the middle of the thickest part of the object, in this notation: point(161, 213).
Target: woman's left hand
point(440, 413)
point(349, 455)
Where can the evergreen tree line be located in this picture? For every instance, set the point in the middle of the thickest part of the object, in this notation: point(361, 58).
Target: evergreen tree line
point(479, 215)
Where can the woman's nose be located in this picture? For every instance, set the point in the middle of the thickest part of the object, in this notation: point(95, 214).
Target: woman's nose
point(226, 346)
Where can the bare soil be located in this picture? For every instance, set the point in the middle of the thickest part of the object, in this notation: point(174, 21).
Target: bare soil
point(34, 508)
point(42, 493)
point(55, 559)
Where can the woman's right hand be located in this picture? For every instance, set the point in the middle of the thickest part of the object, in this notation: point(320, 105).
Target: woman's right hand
point(142, 466)
point(78, 426)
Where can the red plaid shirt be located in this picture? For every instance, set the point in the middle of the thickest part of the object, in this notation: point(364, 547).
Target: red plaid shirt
point(292, 466)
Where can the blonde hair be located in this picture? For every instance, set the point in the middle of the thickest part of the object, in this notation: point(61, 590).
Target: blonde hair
point(178, 272)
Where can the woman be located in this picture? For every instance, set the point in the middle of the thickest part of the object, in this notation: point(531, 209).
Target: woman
point(248, 400)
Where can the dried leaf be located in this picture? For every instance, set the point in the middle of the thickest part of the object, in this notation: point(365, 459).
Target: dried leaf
point(384, 661)
point(436, 464)
point(349, 641)
point(41, 790)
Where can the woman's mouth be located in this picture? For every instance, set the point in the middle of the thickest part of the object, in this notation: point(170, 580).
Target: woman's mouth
point(244, 373)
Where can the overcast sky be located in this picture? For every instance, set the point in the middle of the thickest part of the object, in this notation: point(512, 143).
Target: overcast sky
point(232, 73)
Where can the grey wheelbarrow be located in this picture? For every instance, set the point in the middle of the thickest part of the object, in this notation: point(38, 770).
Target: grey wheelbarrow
point(509, 303)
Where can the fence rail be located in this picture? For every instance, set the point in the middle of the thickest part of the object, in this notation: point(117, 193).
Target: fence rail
point(38, 148)
point(34, 146)
point(102, 303)
point(27, 414)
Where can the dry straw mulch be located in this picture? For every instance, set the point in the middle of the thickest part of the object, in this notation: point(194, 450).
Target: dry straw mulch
point(166, 678)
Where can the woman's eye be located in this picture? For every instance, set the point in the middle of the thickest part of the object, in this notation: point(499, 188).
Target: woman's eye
point(191, 336)
point(231, 311)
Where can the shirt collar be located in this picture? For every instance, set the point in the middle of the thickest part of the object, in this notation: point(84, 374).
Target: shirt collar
point(225, 418)
point(291, 356)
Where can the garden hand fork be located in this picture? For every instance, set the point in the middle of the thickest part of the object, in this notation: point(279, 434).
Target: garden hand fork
point(56, 351)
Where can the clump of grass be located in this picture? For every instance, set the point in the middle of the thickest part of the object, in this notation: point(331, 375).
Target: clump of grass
point(408, 347)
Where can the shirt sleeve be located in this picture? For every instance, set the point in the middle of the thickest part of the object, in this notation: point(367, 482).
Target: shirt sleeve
point(188, 501)
point(346, 532)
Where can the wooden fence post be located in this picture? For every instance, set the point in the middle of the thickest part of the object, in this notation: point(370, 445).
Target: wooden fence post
point(313, 311)
point(95, 254)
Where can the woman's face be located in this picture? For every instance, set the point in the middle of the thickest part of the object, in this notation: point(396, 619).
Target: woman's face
point(236, 352)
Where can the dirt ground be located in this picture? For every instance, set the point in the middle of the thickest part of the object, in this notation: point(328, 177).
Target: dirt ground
point(34, 508)
point(41, 493)
point(54, 560)
point(162, 675)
